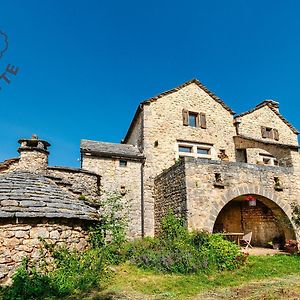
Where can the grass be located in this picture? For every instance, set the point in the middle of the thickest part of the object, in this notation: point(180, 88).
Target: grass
point(265, 277)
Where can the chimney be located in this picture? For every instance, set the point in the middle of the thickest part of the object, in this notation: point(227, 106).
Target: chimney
point(271, 103)
point(33, 154)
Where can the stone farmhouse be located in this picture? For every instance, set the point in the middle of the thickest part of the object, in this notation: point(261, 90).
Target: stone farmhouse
point(185, 151)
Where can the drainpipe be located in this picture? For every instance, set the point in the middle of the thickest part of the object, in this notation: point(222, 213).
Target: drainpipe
point(142, 201)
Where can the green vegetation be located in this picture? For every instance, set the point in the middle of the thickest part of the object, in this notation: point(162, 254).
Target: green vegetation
point(176, 250)
point(177, 264)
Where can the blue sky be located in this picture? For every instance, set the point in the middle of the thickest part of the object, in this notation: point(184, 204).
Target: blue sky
point(85, 65)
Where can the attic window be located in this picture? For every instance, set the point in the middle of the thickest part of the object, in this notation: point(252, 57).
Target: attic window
point(123, 163)
point(269, 133)
point(193, 119)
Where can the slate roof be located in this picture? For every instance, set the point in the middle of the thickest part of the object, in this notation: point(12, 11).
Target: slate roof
point(110, 149)
point(26, 194)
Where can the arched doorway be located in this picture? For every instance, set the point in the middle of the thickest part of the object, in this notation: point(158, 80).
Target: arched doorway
point(266, 220)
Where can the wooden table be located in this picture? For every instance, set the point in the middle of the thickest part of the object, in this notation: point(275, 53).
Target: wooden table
point(235, 235)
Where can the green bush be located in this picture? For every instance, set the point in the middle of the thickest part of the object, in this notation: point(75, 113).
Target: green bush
point(29, 284)
point(178, 251)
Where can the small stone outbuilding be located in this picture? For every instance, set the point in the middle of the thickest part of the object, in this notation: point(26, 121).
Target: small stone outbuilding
point(37, 201)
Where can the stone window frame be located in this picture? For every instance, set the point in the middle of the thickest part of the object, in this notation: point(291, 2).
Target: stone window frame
point(194, 150)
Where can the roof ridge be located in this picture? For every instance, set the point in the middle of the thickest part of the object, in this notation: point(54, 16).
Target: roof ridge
point(199, 84)
point(271, 106)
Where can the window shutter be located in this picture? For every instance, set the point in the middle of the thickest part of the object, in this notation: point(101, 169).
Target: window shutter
point(185, 117)
point(276, 134)
point(203, 120)
point(264, 133)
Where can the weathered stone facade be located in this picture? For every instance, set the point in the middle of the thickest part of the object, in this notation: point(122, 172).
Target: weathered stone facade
point(21, 238)
point(37, 201)
point(246, 154)
point(185, 151)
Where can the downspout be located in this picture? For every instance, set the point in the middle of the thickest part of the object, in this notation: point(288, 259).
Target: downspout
point(142, 202)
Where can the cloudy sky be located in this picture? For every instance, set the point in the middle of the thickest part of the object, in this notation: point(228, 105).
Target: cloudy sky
point(85, 65)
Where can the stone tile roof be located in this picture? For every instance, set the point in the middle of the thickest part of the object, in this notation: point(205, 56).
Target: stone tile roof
point(272, 105)
point(110, 149)
point(25, 194)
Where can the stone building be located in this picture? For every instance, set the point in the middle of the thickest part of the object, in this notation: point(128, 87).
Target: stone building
point(187, 151)
point(38, 201)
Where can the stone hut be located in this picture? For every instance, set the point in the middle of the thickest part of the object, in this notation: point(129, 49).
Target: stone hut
point(37, 201)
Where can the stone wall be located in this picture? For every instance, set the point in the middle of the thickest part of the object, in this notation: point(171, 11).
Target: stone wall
point(205, 199)
point(210, 185)
point(238, 216)
point(126, 180)
point(170, 194)
point(163, 122)
point(77, 181)
point(21, 238)
point(251, 126)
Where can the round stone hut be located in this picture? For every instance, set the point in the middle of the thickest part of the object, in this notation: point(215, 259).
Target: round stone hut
point(37, 201)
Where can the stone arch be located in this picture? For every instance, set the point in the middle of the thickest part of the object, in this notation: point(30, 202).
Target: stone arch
point(246, 190)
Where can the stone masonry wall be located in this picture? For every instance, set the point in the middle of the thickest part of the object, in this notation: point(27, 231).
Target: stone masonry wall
point(136, 136)
point(205, 200)
point(117, 178)
point(163, 123)
point(251, 126)
point(170, 194)
point(77, 181)
point(20, 239)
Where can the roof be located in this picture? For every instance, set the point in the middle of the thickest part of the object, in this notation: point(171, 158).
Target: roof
point(26, 194)
point(111, 149)
point(155, 98)
point(272, 105)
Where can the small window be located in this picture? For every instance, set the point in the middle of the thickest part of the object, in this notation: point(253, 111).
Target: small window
point(202, 151)
point(123, 163)
point(269, 132)
point(267, 161)
point(185, 149)
point(193, 119)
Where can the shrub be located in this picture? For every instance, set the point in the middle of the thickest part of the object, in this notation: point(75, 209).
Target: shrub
point(178, 251)
point(29, 284)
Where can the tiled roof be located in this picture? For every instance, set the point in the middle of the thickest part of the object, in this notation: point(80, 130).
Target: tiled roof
point(26, 194)
point(110, 149)
point(270, 104)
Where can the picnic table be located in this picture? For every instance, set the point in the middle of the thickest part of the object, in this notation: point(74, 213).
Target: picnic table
point(236, 236)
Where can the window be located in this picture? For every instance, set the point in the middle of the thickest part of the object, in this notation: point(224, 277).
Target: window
point(185, 149)
point(202, 151)
point(194, 150)
point(268, 159)
point(123, 163)
point(269, 133)
point(193, 119)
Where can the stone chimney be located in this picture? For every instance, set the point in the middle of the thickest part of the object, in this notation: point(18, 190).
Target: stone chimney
point(271, 103)
point(33, 154)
